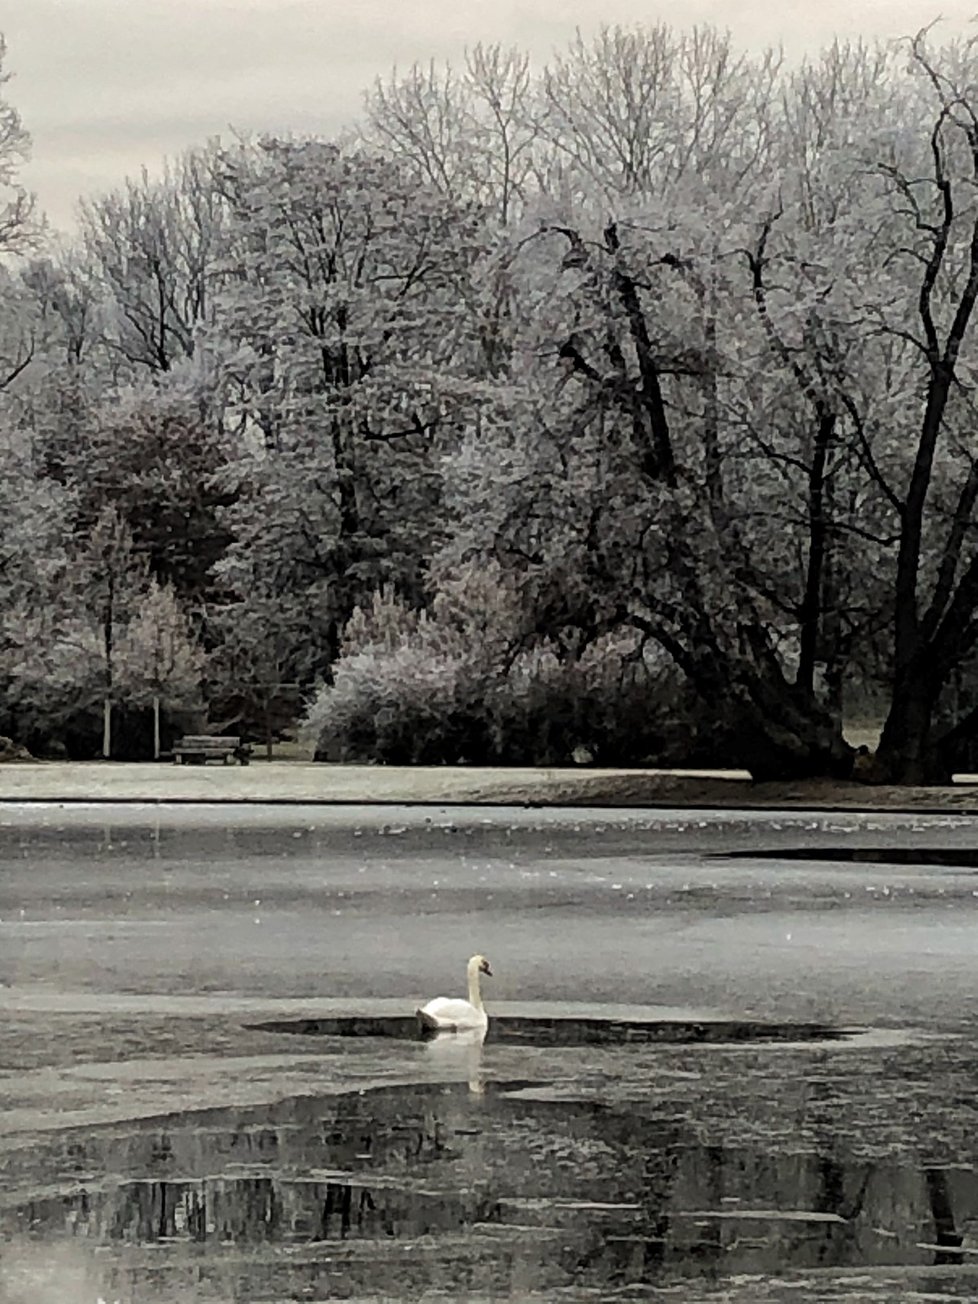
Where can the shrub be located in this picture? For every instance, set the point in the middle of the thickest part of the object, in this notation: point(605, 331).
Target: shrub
point(454, 686)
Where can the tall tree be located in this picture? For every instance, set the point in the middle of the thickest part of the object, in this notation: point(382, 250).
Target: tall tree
point(470, 134)
point(156, 453)
point(932, 186)
point(17, 228)
point(109, 580)
point(636, 109)
point(346, 359)
point(155, 247)
point(159, 662)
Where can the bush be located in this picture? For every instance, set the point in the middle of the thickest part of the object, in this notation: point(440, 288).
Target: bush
point(402, 705)
point(11, 751)
point(448, 688)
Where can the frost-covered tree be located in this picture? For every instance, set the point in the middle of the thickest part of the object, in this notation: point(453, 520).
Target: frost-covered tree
point(673, 343)
point(470, 134)
point(153, 248)
point(52, 675)
point(645, 349)
point(611, 472)
point(159, 663)
point(17, 228)
point(634, 110)
point(739, 418)
point(264, 653)
point(931, 182)
point(156, 453)
point(34, 515)
point(347, 352)
point(107, 581)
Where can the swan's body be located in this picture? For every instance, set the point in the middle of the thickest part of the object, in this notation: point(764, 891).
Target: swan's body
point(452, 1014)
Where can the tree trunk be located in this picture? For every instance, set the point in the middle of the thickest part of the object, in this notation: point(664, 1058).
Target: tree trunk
point(797, 745)
point(156, 726)
point(812, 610)
point(773, 728)
point(908, 751)
point(108, 638)
point(769, 726)
point(106, 728)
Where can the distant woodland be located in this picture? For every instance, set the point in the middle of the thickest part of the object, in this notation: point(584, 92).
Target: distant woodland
point(621, 409)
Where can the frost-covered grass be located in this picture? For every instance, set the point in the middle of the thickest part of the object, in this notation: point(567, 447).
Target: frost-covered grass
point(306, 781)
point(276, 780)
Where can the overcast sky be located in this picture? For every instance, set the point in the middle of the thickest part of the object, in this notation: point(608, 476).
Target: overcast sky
point(106, 86)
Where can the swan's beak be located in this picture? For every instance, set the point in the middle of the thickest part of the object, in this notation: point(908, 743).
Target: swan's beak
point(485, 968)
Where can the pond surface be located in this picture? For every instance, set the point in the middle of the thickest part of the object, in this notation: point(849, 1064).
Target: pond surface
point(474, 1188)
point(213, 1088)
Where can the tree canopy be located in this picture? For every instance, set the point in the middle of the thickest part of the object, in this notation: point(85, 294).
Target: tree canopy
point(621, 405)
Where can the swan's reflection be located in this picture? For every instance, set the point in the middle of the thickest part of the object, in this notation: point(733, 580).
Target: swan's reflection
point(459, 1054)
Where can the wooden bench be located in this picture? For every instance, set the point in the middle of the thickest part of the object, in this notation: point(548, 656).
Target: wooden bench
point(200, 748)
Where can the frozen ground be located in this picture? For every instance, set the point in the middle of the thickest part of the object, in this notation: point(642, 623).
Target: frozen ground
point(173, 1127)
point(299, 782)
point(263, 781)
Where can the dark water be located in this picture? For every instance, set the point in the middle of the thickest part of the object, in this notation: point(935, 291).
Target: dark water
point(497, 1188)
point(568, 1031)
point(951, 857)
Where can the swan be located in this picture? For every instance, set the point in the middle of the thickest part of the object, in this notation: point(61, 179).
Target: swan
point(448, 1014)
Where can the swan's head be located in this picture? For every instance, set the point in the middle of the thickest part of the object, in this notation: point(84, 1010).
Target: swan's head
point(479, 964)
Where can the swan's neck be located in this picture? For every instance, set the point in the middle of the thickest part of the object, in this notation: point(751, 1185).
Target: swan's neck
point(475, 995)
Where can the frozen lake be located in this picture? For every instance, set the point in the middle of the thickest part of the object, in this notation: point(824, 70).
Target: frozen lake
point(733, 1056)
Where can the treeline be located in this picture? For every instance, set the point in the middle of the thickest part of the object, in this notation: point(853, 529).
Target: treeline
point(622, 408)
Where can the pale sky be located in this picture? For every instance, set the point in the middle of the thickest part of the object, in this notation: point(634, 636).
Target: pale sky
point(106, 86)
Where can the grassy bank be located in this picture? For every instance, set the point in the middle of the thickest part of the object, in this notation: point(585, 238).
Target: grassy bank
point(297, 781)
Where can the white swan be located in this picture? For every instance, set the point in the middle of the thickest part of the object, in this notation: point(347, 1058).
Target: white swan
point(446, 1014)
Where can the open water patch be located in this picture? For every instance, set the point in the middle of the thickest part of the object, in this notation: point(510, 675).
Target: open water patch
point(397, 1191)
point(570, 1031)
point(948, 857)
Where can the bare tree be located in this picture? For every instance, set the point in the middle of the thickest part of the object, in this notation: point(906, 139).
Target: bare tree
point(470, 134)
point(636, 109)
point(935, 596)
point(154, 246)
point(17, 230)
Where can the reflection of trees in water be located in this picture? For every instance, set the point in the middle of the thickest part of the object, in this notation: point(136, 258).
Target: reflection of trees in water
point(661, 1168)
point(946, 1233)
point(246, 1210)
point(644, 1199)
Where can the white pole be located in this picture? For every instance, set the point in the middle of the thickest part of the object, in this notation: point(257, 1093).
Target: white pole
point(106, 727)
